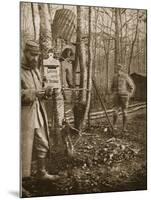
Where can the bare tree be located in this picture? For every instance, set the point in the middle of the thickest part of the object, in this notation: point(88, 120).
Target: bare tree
point(89, 69)
point(82, 56)
point(33, 16)
point(116, 38)
point(80, 105)
point(133, 43)
point(45, 28)
point(106, 43)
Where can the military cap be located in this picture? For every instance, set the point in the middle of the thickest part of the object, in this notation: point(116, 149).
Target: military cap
point(32, 46)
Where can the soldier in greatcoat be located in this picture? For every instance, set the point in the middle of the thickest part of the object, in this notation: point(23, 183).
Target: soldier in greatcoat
point(34, 123)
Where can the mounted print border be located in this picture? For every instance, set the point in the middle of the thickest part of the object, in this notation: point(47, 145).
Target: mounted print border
point(83, 99)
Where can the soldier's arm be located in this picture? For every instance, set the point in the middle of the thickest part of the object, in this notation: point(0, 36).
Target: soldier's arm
point(27, 95)
point(131, 85)
point(68, 78)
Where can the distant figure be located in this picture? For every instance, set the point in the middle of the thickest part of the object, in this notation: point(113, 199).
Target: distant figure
point(122, 88)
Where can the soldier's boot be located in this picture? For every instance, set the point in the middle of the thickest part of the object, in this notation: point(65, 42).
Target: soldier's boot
point(115, 118)
point(42, 174)
point(124, 122)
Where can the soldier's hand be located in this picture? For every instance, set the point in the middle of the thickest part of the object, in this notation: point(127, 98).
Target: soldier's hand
point(40, 94)
point(48, 91)
point(130, 94)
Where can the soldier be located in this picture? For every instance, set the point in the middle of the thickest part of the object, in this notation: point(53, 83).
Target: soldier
point(34, 124)
point(60, 126)
point(122, 88)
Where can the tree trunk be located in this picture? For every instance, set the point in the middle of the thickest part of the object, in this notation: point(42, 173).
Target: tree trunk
point(82, 56)
point(107, 72)
point(74, 69)
point(133, 43)
point(89, 70)
point(116, 39)
point(79, 107)
point(74, 94)
point(106, 51)
point(126, 41)
point(107, 56)
point(45, 28)
point(121, 37)
point(33, 16)
point(36, 20)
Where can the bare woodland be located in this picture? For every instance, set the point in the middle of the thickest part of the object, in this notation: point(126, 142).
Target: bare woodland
point(100, 38)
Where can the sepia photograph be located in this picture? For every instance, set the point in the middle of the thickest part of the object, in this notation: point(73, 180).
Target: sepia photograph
point(83, 99)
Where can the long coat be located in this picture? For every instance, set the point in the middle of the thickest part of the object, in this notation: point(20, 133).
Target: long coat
point(33, 115)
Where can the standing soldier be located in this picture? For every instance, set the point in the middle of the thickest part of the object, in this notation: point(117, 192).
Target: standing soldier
point(34, 124)
point(122, 88)
point(60, 127)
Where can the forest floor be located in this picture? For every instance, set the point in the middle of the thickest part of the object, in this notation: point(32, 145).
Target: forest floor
point(101, 163)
